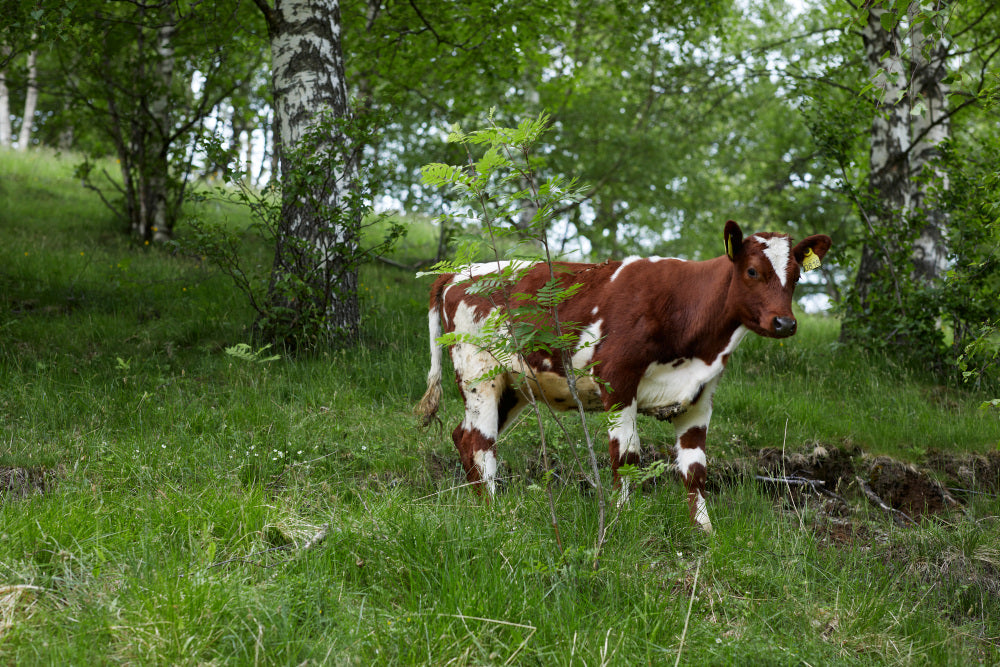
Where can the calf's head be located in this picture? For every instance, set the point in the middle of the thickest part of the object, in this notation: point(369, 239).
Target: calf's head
point(766, 268)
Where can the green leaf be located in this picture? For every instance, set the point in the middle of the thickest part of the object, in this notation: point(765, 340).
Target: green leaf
point(441, 174)
point(246, 353)
point(889, 21)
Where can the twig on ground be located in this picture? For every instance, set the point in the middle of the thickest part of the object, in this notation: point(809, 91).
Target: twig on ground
point(817, 485)
point(878, 502)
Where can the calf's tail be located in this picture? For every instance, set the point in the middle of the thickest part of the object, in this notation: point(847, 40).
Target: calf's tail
point(428, 406)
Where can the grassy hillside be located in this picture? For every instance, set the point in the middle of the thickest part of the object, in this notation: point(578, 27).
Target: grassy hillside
point(158, 495)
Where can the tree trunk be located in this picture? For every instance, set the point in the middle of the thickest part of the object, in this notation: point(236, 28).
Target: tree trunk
point(275, 154)
point(310, 279)
point(930, 129)
point(30, 103)
point(905, 240)
point(890, 140)
point(159, 220)
point(5, 129)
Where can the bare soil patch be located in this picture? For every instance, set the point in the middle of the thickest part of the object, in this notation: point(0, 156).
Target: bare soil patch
point(943, 482)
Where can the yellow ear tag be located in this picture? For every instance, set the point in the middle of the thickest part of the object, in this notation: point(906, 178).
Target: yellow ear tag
point(810, 261)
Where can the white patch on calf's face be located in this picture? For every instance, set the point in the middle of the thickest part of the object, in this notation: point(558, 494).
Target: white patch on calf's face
point(778, 250)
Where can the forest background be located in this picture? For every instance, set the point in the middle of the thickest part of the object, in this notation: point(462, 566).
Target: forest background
point(873, 123)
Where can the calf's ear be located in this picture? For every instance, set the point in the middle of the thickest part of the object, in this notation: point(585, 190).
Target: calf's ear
point(818, 244)
point(733, 236)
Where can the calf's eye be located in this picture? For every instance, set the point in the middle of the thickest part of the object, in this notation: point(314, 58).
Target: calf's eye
point(752, 272)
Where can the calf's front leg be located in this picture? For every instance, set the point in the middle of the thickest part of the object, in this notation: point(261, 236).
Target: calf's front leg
point(692, 428)
point(623, 447)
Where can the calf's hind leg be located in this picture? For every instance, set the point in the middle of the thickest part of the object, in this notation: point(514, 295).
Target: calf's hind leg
point(490, 407)
point(476, 437)
point(478, 454)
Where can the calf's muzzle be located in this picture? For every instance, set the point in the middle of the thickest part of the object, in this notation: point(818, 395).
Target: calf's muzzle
point(784, 326)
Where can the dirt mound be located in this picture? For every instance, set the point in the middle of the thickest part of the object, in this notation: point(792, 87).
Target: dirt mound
point(906, 490)
point(968, 474)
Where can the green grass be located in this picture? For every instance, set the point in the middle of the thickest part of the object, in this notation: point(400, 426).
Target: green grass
point(181, 483)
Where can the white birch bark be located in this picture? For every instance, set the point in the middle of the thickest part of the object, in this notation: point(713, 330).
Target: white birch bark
point(888, 178)
point(929, 130)
point(307, 67)
point(5, 129)
point(307, 72)
point(160, 227)
point(30, 103)
point(890, 131)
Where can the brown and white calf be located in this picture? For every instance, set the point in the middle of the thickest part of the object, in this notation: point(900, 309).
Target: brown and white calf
point(655, 334)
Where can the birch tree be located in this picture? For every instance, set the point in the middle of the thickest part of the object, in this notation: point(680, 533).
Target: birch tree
point(930, 129)
point(5, 127)
point(30, 103)
point(911, 94)
point(905, 233)
point(906, 134)
point(889, 142)
point(314, 278)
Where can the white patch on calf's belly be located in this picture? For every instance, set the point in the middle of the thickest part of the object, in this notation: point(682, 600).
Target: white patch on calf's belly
point(675, 384)
point(552, 388)
point(681, 382)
